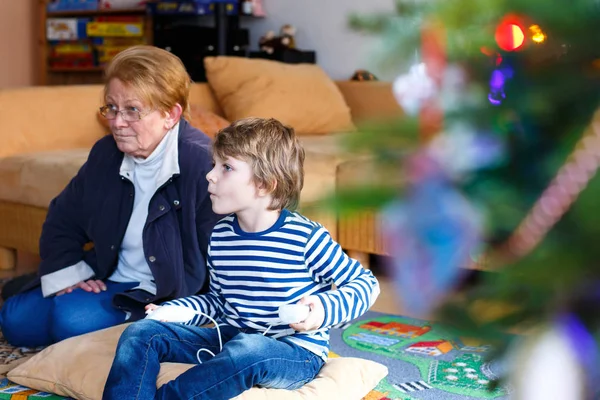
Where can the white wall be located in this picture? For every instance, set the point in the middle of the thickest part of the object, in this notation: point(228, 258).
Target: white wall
point(322, 25)
point(17, 42)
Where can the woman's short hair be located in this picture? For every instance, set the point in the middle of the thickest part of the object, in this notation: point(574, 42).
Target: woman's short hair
point(157, 76)
point(274, 153)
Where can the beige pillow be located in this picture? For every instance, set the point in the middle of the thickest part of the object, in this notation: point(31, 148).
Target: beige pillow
point(207, 121)
point(299, 95)
point(78, 367)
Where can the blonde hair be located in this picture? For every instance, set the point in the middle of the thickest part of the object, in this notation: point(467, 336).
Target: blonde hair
point(157, 76)
point(274, 154)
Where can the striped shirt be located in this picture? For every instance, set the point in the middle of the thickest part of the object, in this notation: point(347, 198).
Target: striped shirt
point(252, 274)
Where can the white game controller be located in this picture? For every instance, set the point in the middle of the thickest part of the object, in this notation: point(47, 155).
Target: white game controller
point(170, 313)
point(293, 313)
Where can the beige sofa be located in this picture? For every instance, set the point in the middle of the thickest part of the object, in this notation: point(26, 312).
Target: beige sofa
point(47, 132)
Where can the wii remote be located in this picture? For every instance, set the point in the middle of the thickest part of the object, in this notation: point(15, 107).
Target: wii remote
point(293, 313)
point(170, 313)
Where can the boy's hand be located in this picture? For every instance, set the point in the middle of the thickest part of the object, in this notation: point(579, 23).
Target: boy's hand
point(315, 317)
point(150, 307)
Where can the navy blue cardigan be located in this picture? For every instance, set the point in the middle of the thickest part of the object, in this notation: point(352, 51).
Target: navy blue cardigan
point(97, 204)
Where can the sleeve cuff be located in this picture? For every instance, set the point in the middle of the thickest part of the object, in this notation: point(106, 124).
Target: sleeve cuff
point(63, 278)
point(326, 309)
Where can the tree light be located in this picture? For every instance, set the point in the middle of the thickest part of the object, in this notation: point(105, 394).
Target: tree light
point(509, 36)
point(536, 34)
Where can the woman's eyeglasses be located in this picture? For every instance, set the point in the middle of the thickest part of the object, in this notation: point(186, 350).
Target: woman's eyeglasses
point(129, 114)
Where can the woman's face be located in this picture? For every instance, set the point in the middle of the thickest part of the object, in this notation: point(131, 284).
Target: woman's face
point(139, 137)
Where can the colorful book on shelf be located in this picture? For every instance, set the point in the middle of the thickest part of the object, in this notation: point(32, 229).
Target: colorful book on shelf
point(137, 19)
point(66, 28)
point(115, 29)
point(112, 41)
point(71, 5)
point(70, 48)
point(120, 4)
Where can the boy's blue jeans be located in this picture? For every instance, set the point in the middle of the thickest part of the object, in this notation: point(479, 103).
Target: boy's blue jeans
point(28, 319)
point(247, 360)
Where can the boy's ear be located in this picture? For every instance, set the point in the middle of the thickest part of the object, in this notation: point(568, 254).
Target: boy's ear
point(266, 188)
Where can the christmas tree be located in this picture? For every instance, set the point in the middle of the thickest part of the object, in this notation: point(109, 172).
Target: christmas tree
point(501, 98)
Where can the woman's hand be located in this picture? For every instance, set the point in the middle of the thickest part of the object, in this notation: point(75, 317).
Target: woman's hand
point(315, 317)
point(92, 285)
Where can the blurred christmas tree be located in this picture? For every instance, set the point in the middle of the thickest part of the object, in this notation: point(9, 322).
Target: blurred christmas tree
point(515, 84)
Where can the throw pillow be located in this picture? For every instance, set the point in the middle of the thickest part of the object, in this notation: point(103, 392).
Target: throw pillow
point(207, 121)
point(78, 368)
point(299, 95)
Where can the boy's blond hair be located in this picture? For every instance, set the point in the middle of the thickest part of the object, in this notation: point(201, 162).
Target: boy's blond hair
point(274, 154)
point(157, 76)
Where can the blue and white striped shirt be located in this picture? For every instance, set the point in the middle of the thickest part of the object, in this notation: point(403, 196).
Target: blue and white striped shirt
point(252, 274)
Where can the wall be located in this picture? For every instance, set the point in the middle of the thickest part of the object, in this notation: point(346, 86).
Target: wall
point(18, 32)
point(322, 26)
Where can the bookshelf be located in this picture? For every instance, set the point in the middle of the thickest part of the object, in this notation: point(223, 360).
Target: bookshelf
point(186, 35)
point(48, 75)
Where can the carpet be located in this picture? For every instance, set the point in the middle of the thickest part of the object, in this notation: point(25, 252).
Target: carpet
point(425, 360)
point(12, 391)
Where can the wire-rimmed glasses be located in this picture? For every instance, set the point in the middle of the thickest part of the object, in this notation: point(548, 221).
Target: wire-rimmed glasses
point(129, 114)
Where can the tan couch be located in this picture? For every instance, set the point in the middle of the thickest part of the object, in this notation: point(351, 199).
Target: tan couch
point(47, 132)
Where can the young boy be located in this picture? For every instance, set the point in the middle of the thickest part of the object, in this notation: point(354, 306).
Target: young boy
point(261, 256)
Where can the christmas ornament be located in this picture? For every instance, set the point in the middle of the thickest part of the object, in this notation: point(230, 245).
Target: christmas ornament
point(431, 234)
point(554, 363)
point(413, 89)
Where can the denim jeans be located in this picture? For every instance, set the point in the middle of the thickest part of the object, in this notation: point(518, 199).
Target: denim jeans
point(28, 319)
point(247, 360)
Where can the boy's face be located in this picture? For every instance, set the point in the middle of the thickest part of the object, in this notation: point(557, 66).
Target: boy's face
point(231, 187)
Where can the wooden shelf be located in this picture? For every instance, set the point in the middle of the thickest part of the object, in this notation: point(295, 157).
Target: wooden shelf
point(48, 75)
point(75, 69)
point(82, 13)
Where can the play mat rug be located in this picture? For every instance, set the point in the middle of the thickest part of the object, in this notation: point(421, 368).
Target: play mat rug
point(12, 391)
point(425, 361)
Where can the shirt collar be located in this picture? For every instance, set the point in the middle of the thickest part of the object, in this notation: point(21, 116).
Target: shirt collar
point(168, 149)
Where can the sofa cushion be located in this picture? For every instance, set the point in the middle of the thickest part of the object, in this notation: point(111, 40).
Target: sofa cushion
point(370, 100)
point(300, 95)
point(36, 178)
point(78, 367)
point(324, 154)
point(49, 118)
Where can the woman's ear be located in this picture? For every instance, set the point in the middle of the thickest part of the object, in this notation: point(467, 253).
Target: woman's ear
point(173, 116)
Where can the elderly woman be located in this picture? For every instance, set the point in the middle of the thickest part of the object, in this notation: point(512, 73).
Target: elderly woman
point(140, 199)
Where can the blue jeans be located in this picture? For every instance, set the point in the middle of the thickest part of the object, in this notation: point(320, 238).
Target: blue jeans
point(247, 360)
point(28, 319)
